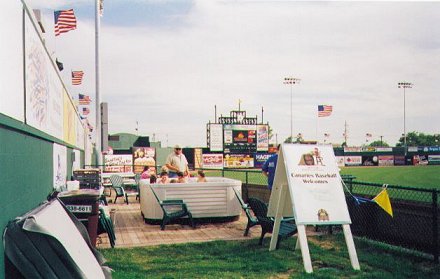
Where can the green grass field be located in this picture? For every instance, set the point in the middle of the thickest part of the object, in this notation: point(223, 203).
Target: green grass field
point(246, 259)
point(412, 176)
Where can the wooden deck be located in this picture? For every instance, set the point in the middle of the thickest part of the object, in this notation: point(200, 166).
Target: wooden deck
point(132, 231)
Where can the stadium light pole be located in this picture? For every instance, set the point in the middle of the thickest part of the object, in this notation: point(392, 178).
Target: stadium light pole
point(291, 81)
point(404, 85)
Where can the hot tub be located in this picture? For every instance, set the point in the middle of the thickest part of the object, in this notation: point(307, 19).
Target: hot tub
point(211, 199)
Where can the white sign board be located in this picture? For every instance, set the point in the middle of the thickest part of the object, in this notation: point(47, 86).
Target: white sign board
point(315, 188)
point(307, 185)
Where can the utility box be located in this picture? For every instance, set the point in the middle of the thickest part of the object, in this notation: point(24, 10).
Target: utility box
point(84, 204)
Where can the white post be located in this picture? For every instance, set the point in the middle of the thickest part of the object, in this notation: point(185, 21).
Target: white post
point(350, 246)
point(278, 217)
point(97, 87)
point(304, 248)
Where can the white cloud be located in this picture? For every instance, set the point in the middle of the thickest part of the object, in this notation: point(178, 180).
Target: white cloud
point(348, 54)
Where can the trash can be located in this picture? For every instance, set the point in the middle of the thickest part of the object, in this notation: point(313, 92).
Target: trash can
point(84, 204)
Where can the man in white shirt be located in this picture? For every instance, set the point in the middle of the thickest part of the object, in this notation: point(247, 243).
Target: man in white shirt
point(176, 162)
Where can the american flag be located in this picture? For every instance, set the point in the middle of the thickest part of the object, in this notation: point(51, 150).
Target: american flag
point(84, 99)
point(77, 77)
point(324, 110)
point(85, 111)
point(64, 21)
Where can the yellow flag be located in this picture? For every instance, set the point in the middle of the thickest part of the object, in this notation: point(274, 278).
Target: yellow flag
point(383, 200)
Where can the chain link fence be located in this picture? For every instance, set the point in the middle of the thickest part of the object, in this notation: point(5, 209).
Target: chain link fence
point(414, 223)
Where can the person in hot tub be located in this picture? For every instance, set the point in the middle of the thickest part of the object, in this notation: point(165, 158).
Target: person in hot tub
point(180, 177)
point(201, 176)
point(164, 179)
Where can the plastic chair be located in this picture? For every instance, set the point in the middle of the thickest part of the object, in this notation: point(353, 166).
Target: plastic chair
point(118, 185)
point(252, 221)
point(287, 227)
point(173, 209)
point(106, 225)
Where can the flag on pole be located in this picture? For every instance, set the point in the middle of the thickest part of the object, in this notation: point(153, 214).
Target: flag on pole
point(324, 110)
point(77, 77)
point(84, 99)
point(64, 21)
point(85, 111)
point(383, 200)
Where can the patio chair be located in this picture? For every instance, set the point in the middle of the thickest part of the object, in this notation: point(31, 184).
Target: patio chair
point(287, 226)
point(252, 221)
point(105, 225)
point(118, 185)
point(172, 209)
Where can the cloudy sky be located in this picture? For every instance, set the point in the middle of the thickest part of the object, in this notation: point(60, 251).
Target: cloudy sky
point(167, 64)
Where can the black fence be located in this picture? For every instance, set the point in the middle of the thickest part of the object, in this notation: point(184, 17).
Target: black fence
point(414, 224)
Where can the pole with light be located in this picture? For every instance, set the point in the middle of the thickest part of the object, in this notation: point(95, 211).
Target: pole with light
point(291, 81)
point(404, 85)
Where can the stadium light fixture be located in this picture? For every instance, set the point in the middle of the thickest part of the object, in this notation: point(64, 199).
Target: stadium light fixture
point(291, 81)
point(404, 85)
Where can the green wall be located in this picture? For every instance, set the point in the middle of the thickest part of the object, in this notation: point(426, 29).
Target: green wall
point(25, 176)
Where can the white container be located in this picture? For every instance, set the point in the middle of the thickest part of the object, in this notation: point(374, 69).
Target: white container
point(72, 185)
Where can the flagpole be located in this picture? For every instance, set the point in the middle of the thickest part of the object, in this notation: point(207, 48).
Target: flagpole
point(98, 139)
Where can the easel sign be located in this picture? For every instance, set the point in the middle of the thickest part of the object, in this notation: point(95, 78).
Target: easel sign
point(307, 186)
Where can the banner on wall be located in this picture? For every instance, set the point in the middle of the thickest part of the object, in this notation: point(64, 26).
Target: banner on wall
point(384, 149)
point(434, 159)
point(212, 161)
point(143, 156)
point(11, 57)
point(369, 161)
point(44, 89)
point(238, 161)
point(340, 161)
point(198, 163)
point(216, 137)
point(399, 160)
point(262, 137)
point(118, 163)
point(260, 159)
point(70, 117)
point(420, 160)
point(353, 160)
point(59, 167)
point(386, 160)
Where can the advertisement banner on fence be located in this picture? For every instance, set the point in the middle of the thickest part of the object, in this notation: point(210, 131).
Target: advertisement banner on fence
point(212, 161)
point(434, 148)
point(386, 160)
point(420, 160)
point(352, 149)
point(118, 163)
point(353, 160)
point(260, 158)
point(340, 161)
point(399, 160)
point(412, 149)
point(143, 156)
point(369, 161)
point(238, 161)
point(434, 159)
point(384, 149)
